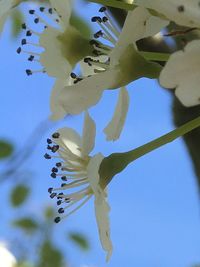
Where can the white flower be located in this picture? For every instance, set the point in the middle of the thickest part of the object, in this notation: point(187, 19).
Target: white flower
point(6, 258)
point(182, 72)
point(112, 68)
point(183, 12)
point(5, 8)
point(63, 45)
point(79, 171)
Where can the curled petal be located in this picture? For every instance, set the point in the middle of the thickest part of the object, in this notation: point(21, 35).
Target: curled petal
point(89, 133)
point(115, 126)
point(70, 140)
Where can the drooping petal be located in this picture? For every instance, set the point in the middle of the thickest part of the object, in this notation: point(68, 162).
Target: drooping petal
point(101, 206)
point(182, 72)
point(79, 97)
point(115, 126)
point(89, 133)
point(139, 24)
point(52, 58)
point(63, 8)
point(183, 12)
point(58, 112)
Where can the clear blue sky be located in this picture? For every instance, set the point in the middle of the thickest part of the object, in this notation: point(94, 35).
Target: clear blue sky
point(154, 203)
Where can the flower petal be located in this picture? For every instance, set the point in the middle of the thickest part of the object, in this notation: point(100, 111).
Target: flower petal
point(115, 126)
point(63, 8)
point(52, 58)
point(58, 112)
point(70, 140)
point(182, 72)
point(182, 12)
point(79, 97)
point(7, 258)
point(138, 24)
point(101, 206)
point(89, 132)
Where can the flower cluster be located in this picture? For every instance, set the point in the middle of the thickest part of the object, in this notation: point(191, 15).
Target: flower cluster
point(110, 60)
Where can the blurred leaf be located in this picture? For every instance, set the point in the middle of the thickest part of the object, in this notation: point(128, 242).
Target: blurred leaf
point(80, 240)
point(50, 256)
point(19, 195)
point(80, 24)
point(49, 213)
point(27, 224)
point(6, 149)
point(17, 20)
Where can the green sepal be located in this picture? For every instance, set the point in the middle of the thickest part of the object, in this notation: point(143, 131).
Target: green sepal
point(134, 66)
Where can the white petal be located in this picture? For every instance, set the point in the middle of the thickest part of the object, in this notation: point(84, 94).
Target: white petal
point(52, 59)
point(89, 132)
point(101, 206)
point(63, 8)
point(138, 24)
point(182, 72)
point(115, 126)
point(58, 112)
point(7, 259)
point(86, 93)
point(70, 140)
point(183, 12)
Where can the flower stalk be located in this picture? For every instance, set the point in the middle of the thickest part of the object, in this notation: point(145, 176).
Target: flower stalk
point(117, 162)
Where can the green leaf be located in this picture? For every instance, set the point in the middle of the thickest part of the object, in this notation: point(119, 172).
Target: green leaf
point(117, 162)
point(6, 149)
point(50, 256)
point(17, 20)
point(115, 3)
point(80, 240)
point(26, 224)
point(81, 25)
point(19, 195)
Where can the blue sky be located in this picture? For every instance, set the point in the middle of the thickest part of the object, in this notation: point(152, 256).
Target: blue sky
point(154, 203)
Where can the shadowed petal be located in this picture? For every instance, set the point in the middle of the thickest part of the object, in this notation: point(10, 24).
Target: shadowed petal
point(115, 126)
point(79, 97)
point(89, 133)
point(101, 206)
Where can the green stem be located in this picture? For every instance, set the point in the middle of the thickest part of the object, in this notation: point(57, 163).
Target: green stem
point(117, 162)
point(114, 3)
point(155, 56)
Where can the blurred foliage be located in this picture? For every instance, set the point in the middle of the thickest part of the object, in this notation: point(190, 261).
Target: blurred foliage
point(29, 225)
point(6, 149)
point(50, 256)
point(80, 240)
point(19, 195)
